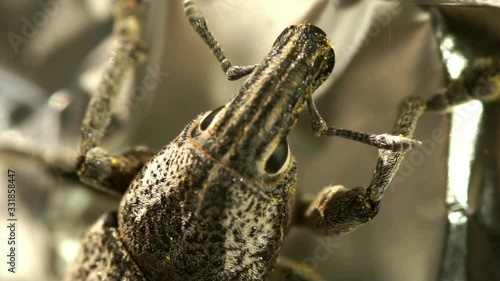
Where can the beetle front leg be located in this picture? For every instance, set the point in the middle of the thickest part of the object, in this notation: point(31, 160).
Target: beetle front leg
point(92, 164)
point(95, 166)
point(129, 51)
point(394, 142)
point(112, 174)
point(338, 209)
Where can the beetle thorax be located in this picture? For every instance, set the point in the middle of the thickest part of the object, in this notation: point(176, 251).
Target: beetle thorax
point(211, 222)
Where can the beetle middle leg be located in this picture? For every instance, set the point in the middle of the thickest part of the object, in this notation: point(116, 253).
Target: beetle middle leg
point(395, 142)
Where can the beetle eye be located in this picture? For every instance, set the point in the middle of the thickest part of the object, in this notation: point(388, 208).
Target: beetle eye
point(209, 118)
point(278, 158)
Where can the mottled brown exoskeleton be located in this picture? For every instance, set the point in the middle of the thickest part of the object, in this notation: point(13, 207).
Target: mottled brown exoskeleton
point(216, 203)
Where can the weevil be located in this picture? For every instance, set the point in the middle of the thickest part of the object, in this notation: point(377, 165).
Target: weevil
point(216, 203)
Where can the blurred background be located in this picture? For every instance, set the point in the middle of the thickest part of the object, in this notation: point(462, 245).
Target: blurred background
point(52, 53)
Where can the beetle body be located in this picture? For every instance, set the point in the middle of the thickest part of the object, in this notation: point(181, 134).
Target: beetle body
point(216, 202)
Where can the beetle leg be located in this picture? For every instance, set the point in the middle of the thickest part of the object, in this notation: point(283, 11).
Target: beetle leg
point(479, 80)
point(95, 166)
point(338, 209)
point(129, 51)
point(395, 142)
point(109, 173)
point(112, 174)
